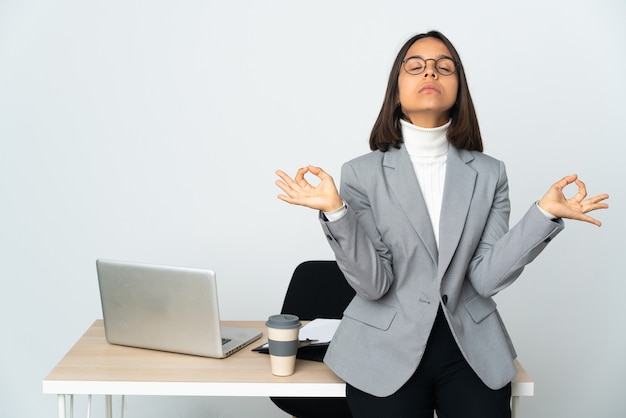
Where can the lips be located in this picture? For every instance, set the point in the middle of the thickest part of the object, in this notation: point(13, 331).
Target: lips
point(429, 88)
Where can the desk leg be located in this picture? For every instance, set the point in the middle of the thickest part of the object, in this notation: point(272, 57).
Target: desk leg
point(515, 407)
point(108, 401)
point(61, 405)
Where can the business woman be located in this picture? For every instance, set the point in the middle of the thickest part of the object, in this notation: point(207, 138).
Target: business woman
point(420, 230)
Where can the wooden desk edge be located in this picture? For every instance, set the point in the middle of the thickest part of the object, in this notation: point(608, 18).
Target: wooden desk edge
point(522, 384)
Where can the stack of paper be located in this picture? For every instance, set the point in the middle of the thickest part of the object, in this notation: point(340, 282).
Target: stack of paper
point(319, 330)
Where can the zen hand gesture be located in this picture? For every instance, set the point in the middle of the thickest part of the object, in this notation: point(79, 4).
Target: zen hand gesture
point(299, 191)
point(555, 202)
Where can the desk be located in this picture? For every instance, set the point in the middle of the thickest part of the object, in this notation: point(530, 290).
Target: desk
point(95, 367)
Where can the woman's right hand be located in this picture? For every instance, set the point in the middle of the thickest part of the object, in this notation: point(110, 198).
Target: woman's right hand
point(298, 191)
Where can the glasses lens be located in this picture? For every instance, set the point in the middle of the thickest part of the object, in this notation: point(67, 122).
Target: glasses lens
point(414, 65)
point(445, 66)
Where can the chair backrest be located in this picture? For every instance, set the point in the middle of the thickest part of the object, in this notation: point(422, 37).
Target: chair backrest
point(317, 289)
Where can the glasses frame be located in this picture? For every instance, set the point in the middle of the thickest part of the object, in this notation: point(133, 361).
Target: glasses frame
point(436, 60)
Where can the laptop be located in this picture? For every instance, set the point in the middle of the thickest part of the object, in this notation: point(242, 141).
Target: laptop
point(166, 308)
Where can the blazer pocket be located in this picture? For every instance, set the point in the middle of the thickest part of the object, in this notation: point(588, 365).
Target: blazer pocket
point(371, 313)
point(480, 308)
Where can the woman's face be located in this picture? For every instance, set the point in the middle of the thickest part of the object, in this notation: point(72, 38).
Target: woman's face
point(427, 98)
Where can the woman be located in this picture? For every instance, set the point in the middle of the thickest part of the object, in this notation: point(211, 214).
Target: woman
point(420, 231)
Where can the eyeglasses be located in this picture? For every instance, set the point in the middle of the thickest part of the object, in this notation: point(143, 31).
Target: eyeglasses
point(417, 65)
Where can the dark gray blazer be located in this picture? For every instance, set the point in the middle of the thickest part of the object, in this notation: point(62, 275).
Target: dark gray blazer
point(386, 248)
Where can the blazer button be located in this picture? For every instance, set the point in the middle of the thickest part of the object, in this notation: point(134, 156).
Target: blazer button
point(444, 298)
point(547, 240)
point(329, 237)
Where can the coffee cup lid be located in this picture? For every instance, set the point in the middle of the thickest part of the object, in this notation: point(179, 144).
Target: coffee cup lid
point(283, 321)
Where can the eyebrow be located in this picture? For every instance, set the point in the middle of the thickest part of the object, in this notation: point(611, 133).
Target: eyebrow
point(440, 56)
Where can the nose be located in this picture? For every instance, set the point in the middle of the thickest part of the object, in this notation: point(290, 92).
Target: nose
point(430, 70)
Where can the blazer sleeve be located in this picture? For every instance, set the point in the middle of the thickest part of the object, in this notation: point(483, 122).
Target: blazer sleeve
point(359, 250)
point(502, 254)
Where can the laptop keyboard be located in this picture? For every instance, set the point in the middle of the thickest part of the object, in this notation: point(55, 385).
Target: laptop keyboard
point(225, 340)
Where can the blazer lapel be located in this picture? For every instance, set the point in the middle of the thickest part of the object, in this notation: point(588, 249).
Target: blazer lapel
point(403, 182)
point(457, 196)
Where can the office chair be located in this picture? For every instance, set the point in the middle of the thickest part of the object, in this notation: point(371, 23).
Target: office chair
point(317, 289)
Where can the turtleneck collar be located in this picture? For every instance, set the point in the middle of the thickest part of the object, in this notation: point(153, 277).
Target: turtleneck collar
point(425, 142)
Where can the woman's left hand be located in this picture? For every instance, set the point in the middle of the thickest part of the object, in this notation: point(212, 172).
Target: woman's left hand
point(555, 202)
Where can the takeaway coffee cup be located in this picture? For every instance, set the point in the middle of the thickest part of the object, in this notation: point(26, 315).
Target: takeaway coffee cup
point(282, 333)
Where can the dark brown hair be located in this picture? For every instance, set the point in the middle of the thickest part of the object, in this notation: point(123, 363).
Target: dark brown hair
point(463, 132)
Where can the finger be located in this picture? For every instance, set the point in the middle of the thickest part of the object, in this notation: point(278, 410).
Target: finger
point(594, 203)
point(286, 183)
point(315, 170)
point(320, 173)
point(588, 207)
point(287, 179)
point(299, 178)
point(284, 176)
point(598, 198)
point(284, 187)
point(598, 206)
point(561, 184)
point(301, 172)
point(588, 218)
point(579, 215)
point(289, 200)
point(591, 220)
point(582, 191)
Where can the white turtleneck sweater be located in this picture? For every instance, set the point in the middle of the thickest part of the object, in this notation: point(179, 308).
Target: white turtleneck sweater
point(428, 149)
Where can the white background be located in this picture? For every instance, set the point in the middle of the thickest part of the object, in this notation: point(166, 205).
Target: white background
point(150, 131)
